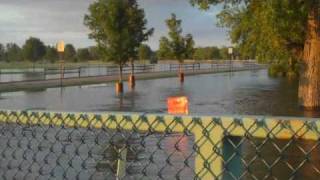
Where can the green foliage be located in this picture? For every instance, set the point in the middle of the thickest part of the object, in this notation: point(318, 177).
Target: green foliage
point(224, 54)
point(189, 46)
point(118, 27)
point(270, 31)
point(144, 52)
point(138, 31)
point(2, 53)
point(164, 52)
point(207, 53)
point(288, 68)
point(70, 53)
point(51, 54)
point(83, 54)
point(34, 49)
point(109, 28)
point(94, 53)
point(178, 46)
point(13, 53)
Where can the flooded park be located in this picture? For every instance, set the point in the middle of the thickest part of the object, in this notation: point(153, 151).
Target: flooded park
point(145, 90)
point(241, 93)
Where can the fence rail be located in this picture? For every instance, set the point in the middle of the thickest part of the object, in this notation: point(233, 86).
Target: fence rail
point(103, 70)
point(43, 145)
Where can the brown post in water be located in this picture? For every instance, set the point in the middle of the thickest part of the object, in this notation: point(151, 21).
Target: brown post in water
point(132, 79)
point(181, 73)
point(309, 87)
point(119, 87)
point(119, 84)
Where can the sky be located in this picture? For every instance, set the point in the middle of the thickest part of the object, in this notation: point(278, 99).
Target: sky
point(54, 20)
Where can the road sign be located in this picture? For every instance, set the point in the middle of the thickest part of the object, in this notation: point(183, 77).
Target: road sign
point(60, 47)
point(230, 50)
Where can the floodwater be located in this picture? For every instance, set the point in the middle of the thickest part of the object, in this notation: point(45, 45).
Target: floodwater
point(9, 75)
point(238, 93)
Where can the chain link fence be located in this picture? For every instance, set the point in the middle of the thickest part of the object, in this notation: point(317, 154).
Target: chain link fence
point(48, 145)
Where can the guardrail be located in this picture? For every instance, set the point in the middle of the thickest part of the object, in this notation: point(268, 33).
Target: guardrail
point(136, 145)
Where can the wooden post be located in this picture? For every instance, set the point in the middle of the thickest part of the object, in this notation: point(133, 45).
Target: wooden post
point(132, 81)
point(119, 87)
point(181, 73)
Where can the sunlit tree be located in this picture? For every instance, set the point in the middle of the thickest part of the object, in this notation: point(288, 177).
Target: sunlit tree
point(144, 52)
point(278, 30)
point(179, 47)
point(118, 27)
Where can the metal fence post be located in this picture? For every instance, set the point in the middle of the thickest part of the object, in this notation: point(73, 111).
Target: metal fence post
point(121, 163)
point(232, 150)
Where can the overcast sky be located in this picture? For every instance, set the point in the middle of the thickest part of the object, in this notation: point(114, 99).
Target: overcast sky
point(52, 20)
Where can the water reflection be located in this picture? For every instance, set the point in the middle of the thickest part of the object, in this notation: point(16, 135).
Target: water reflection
point(243, 93)
point(252, 93)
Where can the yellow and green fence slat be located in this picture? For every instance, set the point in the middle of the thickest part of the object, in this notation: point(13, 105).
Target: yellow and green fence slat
point(209, 131)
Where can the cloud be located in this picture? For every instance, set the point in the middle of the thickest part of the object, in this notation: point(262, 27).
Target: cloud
point(52, 20)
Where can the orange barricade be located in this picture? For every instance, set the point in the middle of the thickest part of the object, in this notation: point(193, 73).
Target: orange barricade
point(178, 105)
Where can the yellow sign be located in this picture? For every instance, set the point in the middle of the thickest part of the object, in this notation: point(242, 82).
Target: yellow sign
point(60, 46)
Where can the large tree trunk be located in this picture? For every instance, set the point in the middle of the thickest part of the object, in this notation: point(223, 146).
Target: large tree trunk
point(309, 87)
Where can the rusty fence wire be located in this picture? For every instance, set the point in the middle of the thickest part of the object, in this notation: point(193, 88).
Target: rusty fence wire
point(53, 145)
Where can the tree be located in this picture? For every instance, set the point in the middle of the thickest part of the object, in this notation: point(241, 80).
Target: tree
point(179, 46)
point(144, 52)
point(189, 47)
point(94, 53)
point(70, 52)
point(207, 53)
point(83, 54)
point(118, 27)
point(51, 54)
point(138, 31)
point(13, 53)
point(224, 53)
point(33, 49)
point(2, 53)
point(177, 41)
point(283, 31)
point(164, 52)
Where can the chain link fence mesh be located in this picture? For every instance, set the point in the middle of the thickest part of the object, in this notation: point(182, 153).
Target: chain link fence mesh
point(47, 145)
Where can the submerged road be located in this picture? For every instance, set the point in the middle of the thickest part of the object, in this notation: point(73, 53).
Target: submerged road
point(75, 81)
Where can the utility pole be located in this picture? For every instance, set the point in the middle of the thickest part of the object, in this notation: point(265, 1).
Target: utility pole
point(230, 51)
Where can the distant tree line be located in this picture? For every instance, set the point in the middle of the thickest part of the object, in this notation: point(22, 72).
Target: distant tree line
point(34, 50)
point(198, 53)
point(211, 53)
